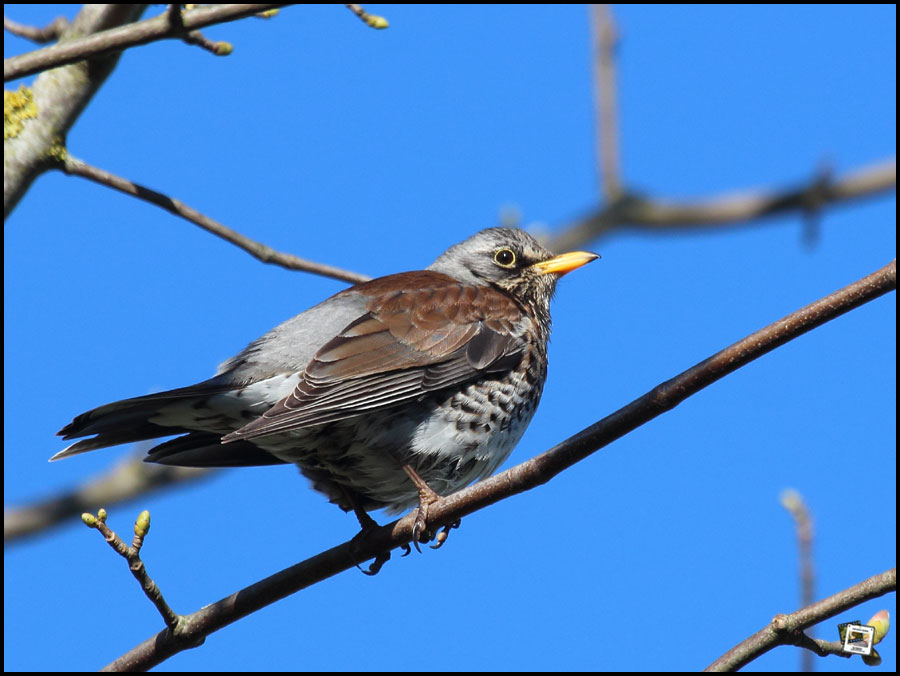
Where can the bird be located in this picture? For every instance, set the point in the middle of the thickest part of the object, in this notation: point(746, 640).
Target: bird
point(387, 395)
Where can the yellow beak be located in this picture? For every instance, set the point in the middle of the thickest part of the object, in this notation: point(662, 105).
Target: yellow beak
point(565, 262)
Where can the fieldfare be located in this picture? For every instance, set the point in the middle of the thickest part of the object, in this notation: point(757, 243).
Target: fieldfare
point(383, 395)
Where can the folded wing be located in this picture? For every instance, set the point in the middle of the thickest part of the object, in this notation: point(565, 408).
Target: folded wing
point(416, 341)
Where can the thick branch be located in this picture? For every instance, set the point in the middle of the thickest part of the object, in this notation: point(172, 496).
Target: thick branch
point(518, 479)
point(50, 107)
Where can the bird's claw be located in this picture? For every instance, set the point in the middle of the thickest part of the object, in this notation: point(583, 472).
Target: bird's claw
point(444, 534)
point(376, 565)
point(420, 532)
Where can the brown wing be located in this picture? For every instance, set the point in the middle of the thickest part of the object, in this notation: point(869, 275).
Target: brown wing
point(421, 333)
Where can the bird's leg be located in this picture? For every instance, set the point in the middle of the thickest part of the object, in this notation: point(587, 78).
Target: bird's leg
point(367, 524)
point(427, 496)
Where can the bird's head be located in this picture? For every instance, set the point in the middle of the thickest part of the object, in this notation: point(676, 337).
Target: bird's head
point(513, 261)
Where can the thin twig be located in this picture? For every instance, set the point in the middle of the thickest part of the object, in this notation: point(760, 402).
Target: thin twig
point(788, 629)
point(132, 554)
point(217, 47)
point(645, 214)
point(176, 20)
point(606, 122)
point(52, 31)
point(371, 20)
point(266, 254)
point(529, 474)
point(793, 502)
point(124, 37)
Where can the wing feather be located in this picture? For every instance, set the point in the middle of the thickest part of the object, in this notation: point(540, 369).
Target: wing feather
point(415, 342)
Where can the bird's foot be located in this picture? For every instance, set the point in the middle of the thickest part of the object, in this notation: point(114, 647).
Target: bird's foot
point(368, 524)
point(380, 559)
point(427, 497)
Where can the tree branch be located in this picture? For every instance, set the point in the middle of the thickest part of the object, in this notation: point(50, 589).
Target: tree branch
point(606, 123)
point(518, 479)
point(788, 629)
point(637, 213)
point(132, 554)
point(258, 250)
point(371, 20)
point(52, 31)
point(793, 502)
point(124, 37)
point(126, 480)
point(40, 117)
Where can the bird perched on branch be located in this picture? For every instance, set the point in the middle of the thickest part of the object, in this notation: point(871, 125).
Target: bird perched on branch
point(386, 395)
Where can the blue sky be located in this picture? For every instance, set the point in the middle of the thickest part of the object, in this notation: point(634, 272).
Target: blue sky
point(374, 151)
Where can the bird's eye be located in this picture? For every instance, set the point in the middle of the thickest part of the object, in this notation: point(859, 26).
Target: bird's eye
point(505, 258)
